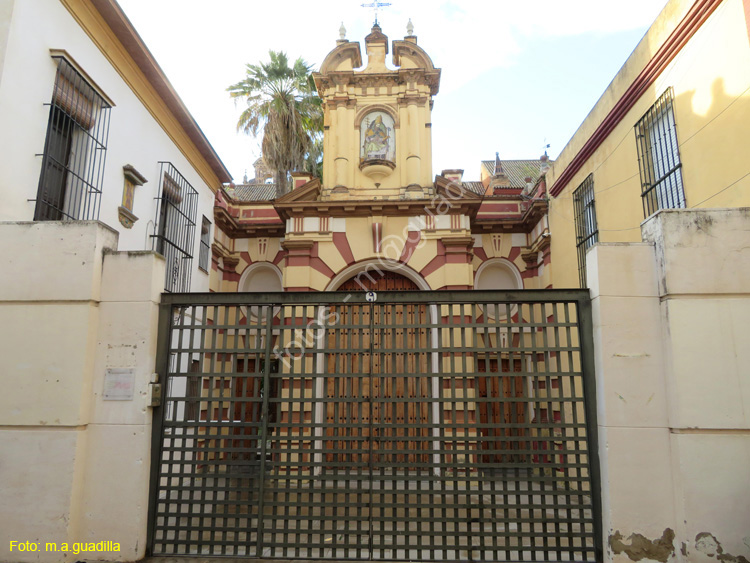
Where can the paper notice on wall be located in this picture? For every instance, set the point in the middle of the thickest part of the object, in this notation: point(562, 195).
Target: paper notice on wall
point(119, 384)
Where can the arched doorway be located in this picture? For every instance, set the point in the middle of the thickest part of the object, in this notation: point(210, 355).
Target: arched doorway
point(378, 281)
point(378, 365)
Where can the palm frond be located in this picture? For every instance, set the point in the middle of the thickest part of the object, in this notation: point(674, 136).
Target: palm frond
point(283, 102)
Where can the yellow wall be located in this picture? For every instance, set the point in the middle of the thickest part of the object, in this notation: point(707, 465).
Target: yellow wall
point(348, 96)
point(710, 80)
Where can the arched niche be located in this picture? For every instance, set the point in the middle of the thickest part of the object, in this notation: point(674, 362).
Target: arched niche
point(263, 277)
point(377, 138)
point(498, 273)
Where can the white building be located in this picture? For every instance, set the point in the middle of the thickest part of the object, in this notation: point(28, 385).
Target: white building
point(102, 170)
point(87, 117)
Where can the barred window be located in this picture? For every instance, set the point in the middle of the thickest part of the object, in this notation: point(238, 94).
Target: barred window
point(587, 231)
point(205, 244)
point(175, 227)
point(659, 157)
point(75, 148)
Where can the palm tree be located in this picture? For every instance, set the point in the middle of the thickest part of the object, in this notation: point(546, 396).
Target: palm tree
point(284, 103)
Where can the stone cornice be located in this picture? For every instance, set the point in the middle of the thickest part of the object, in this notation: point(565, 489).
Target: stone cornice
point(369, 208)
point(418, 76)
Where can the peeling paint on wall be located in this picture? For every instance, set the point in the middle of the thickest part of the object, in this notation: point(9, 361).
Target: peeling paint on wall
point(640, 547)
point(708, 544)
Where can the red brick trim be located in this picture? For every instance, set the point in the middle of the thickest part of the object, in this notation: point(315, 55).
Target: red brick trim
point(342, 245)
point(746, 4)
point(684, 31)
point(322, 267)
point(412, 241)
point(480, 253)
point(280, 255)
point(434, 265)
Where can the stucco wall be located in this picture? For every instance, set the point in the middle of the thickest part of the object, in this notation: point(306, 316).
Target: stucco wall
point(135, 136)
point(673, 386)
point(74, 468)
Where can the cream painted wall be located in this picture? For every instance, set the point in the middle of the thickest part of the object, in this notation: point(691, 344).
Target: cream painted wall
point(74, 467)
point(712, 112)
point(673, 384)
point(134, 137)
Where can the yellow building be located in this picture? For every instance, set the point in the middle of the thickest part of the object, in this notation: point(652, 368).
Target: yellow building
point(670, 131)
point(378, 207)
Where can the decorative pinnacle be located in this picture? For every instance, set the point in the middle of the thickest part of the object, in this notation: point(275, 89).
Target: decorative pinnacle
point(410, 28)
point(342, 31)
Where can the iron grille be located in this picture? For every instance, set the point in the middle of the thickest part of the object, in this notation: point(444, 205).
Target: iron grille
point(587, 231)
point(175, 227)
point(75, 150)
point(422, 426)
point(659, 157)
point(205, 248)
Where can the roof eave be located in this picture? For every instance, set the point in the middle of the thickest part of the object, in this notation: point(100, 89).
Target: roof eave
point(123, 29)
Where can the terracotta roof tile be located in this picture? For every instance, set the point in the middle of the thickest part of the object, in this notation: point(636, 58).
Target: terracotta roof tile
point(516, 170)
point(253, 192)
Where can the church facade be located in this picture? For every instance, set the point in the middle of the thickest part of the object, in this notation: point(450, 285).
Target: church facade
point(377, 208)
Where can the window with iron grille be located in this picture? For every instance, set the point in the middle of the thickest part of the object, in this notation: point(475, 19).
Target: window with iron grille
point(659, 157)
point(75, 148)
point(205, 244)
point(175, 227)
point(587, 232)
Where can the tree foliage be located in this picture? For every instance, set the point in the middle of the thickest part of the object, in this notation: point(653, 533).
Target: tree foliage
point(281, 101)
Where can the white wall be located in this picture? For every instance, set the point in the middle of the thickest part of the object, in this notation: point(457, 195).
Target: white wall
point(135, 138)
point(74, 468)
point(673, 383)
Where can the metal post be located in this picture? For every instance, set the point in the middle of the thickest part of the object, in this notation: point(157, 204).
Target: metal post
point(264, 425)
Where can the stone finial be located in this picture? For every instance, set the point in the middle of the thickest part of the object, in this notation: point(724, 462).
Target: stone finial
point(409, 28)
point(545, 163)
point(244, 178)
point(342, 32)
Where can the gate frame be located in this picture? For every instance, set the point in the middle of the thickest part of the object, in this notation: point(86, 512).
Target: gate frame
point(582, 298)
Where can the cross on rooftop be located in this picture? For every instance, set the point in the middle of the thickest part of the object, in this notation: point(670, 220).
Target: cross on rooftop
point(376, 4)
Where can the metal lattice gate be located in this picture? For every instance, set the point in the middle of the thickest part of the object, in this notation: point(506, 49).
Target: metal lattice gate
point(418, 426)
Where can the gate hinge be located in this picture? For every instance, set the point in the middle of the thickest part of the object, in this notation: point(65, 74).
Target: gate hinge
point(154, 393)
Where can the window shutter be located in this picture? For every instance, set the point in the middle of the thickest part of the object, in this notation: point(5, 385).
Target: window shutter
point(73, 101)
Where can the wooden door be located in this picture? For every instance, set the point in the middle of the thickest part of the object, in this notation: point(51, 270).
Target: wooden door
point(368, 426)
point(501, 438)
point(249, 410)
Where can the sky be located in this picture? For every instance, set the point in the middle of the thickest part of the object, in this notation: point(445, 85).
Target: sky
point(516, 76)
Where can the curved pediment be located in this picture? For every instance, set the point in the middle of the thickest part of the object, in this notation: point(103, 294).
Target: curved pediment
point(410, 55)
point(345, 57)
